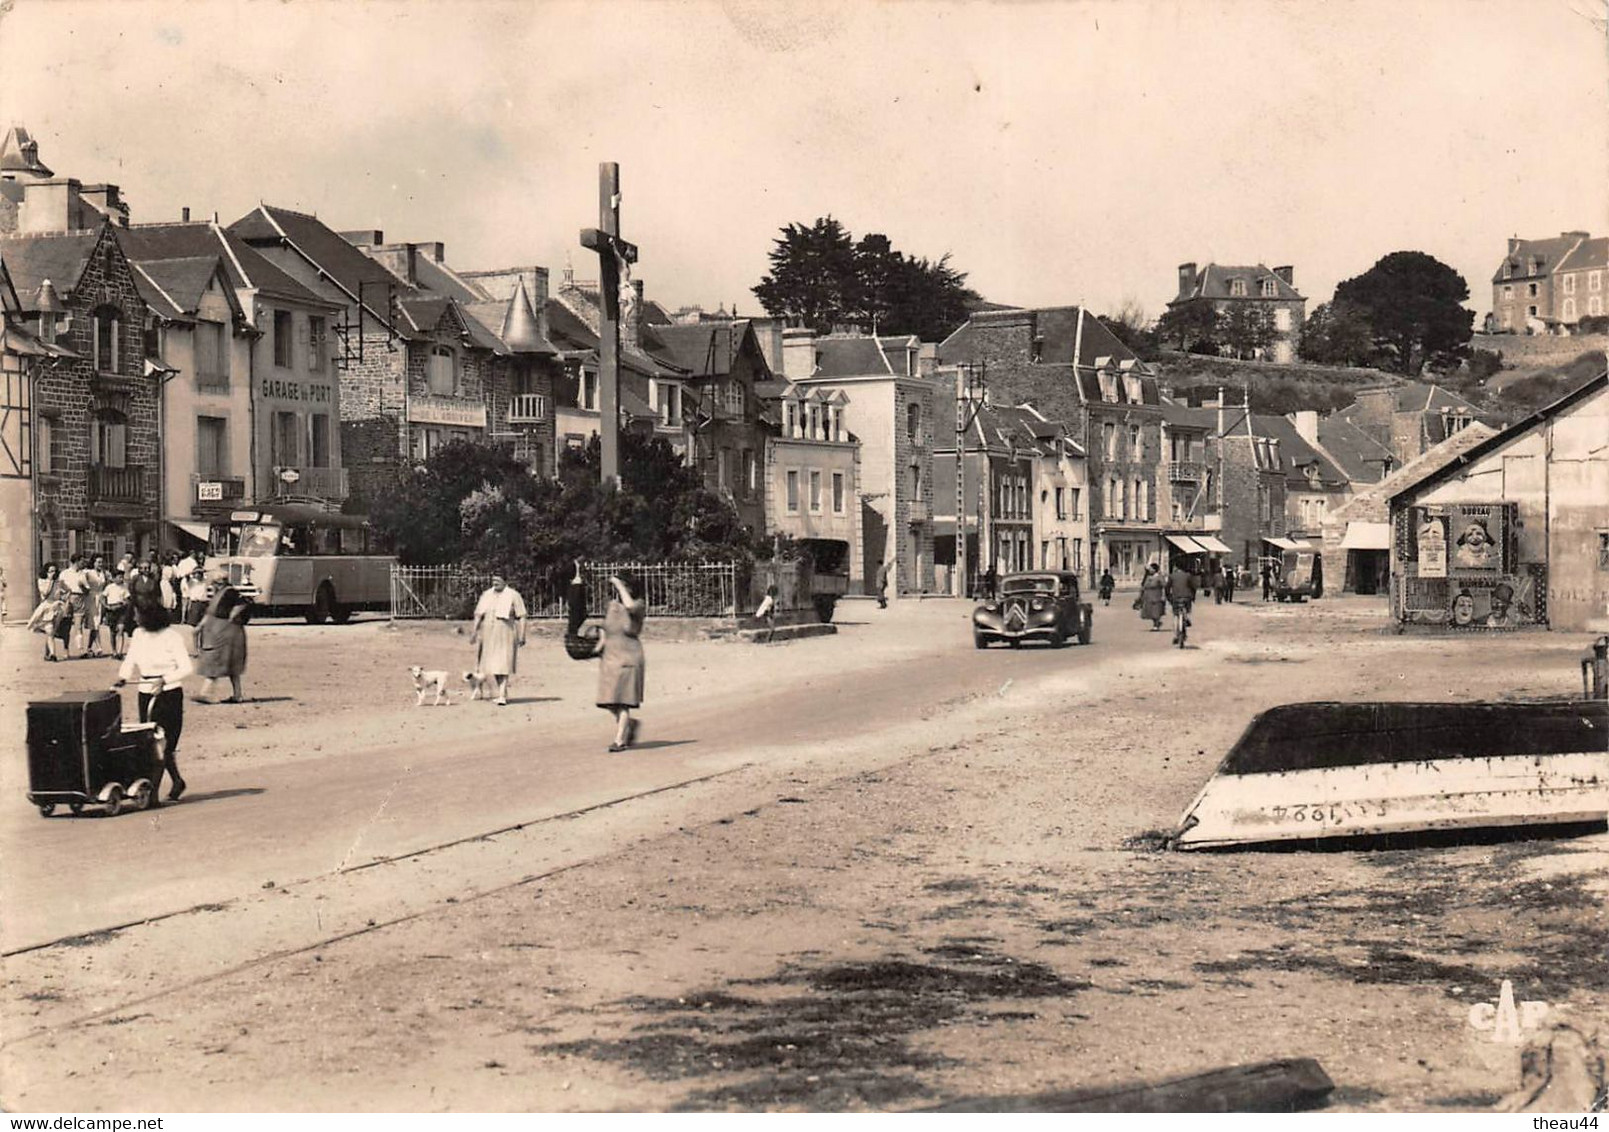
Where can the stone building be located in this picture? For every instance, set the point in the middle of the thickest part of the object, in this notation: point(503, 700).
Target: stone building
point(1547, 286)
point(1271, 294)
point(890, 408)
point(1066, 363)
point(810, 475)
point(96, 445)
point(1406, 419)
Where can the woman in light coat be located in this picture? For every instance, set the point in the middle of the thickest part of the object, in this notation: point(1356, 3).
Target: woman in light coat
point(499, 632)
point(1153, 600)
point(623, 673)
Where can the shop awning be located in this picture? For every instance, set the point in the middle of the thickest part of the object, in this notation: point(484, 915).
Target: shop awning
point(1213, 545)
point(1280, 543)
point(1187, 544)
point(1367, 536)
point(194, 530)
point(1302, 544)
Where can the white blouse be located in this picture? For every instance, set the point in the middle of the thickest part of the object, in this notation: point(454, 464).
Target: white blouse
point(504, 606)
point(163, 655)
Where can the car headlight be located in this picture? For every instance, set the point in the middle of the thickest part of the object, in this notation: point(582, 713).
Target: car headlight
point(991, 607)
point(1037, 605)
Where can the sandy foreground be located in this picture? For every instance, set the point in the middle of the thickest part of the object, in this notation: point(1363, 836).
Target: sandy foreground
point(960, 902)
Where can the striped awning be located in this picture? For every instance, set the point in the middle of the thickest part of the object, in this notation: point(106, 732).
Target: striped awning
point(1367, 536)
point(1281, 543)
point(1213, 545)
point(1187, 544)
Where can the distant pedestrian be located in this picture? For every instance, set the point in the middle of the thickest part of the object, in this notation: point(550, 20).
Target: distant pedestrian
point(158, 653)
point(117, 614)
point(623, 673)
point(50, 616)
point(767, 613)
point(75, 587)
point(991, 582)
point(195, 597)
point(1268, 581)
point(1152, 602)
point(95, 579)
point(499, 633)
point(1107, 584)
point(882, 585)
point(145, 587)
point(1229, 584)
point(221, 643)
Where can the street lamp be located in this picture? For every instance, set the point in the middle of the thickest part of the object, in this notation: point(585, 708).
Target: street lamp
point(976, 376)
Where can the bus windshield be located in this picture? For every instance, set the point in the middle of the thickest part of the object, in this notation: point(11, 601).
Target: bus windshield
point(259, 540)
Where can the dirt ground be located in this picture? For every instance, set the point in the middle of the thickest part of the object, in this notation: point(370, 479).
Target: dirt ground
point(976, 912)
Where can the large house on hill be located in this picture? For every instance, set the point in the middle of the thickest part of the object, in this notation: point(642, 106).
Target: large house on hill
point(1548, 286)
point(1270, 292)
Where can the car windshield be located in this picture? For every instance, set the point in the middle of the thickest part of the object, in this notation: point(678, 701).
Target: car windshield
point(1036, 584)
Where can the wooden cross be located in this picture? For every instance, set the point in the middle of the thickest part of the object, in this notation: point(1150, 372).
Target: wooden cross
point(614, 254)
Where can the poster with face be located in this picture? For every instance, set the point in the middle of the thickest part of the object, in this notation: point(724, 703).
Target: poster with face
point(1477, 534)
point(1432, 544)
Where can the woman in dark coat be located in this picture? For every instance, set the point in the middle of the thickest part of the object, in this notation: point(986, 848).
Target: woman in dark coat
point(221, 642)
point(1153, 601)
point(622, 674)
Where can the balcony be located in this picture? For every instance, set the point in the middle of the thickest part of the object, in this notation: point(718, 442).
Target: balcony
point(216, 493)
point(320, 483)
point(116, 485)
point(527, 408)
point(1185, 471)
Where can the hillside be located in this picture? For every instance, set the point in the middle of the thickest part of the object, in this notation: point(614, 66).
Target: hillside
point(1275, 388)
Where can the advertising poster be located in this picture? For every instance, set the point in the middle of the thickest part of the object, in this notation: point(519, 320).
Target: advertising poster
point(1477, 540)
point(1432, 544)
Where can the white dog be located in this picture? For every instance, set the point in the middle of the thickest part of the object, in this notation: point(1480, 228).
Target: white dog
point(477, 686)
point(426, 682)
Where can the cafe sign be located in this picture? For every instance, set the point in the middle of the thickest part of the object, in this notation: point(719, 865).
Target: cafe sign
point(441, 411)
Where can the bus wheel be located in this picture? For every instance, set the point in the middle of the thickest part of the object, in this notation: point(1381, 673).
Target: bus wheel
point(340, 614)
point(323, 605)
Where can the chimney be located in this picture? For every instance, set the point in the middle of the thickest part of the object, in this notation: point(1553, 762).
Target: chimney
point(1306, 421)
point(435, 251)
point(108, 201)
point(798, 353)
point(1577, 235)
point(1514, 243)
point(184, 214)
point(53, 205)
point(1287, 273)
point(364, 237)
point(1187, 279)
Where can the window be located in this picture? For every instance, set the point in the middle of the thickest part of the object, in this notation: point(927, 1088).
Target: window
point(1061, 503)
point(1237, 288)
point(1536, 265)
point(442, 376)
point(1136, 449)
point(1282, 319)
point(815, 491)
point(1074, 493)
point(723, 469)
point(49, 437)
point(751, 470)
point(1508, 270)
point(793, 491)
point(1270, 288)
point(1603, 550)
point(108, 327)
point(1595, 281)
point(319, 434)
point(732, 394)
point(1044, 554)
point(813, 432)
point(589, 390)
point(212, 447)
point(317, 341)
point(790, 419)
point(1530, 289)
point(913, 422)
point(1569, 284)
point(1568, 314)
point(212, 363)
point(1109, 440)
point(916, 481)
point(837, 421)
point(838, 493)
point(1139, 499)
point(283, 451)
point(1108, 387)
point(1508, 292)
point(1133, 390)
point(1531, 310)
point(1595, 305)
point(282, 339)
point(669, 396)
point(109, 439)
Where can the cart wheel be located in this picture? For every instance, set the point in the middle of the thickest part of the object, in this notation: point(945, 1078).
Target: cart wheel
point(113, 800)
point(75, 808)
point(46, 809)
point(143, 794)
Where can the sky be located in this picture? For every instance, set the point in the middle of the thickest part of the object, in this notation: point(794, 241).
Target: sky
point(1059, 152)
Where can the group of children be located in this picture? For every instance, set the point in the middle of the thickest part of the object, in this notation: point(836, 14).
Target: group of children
point(79, 603)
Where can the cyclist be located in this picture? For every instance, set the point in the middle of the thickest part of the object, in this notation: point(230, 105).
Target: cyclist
point(1181, 595)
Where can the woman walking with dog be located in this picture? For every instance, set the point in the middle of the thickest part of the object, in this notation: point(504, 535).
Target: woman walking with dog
point(621, 675)
point(499, 632)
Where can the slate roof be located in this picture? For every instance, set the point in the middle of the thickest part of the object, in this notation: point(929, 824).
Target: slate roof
point(172, 288)
point(59, 258)
point(568, 332)
point(442, 280)
point(243, 267)
point(1370, 502)
point(1212, 282)
point(1358, 454)
point(1551, 251)
point(850, 356)
point(704, 349)
point(318, 242)
point(1296, 453)
point(19, 153)
point(1588, 254)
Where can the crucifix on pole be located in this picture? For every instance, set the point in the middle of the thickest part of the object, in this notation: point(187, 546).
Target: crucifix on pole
point(615, 257)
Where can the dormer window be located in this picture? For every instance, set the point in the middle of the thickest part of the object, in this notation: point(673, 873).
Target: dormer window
point(1237, 288)
point(1108, 387)
point(790, 419)
point(107, 345)
point(1133, 389)
point(1270, 289)
point(1536, 265)
point(1508, 269)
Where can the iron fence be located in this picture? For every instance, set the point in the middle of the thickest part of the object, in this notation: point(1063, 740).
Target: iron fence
point(671, 589)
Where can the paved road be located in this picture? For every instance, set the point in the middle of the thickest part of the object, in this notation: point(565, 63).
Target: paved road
point(322, 813)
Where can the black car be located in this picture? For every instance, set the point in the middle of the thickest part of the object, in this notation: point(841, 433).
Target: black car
point(1042, 605)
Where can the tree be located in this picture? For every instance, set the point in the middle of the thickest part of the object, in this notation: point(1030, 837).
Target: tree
point(1413, 304)
point(821, 277)
point(813, 275)
point(417, 513)
point(1337, 333)
point(1130, 324)
point(1246, 328)
point(1193, 325)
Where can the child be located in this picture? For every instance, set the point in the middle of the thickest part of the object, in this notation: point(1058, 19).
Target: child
point(116, 611)
point(768, 612)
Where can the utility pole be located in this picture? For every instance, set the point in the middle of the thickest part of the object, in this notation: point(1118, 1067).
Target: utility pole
point(975, 373)
point(615, 257)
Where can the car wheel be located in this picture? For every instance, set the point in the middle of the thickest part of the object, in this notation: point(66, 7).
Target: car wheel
point(979, 641)
point(1084, 632)
point(1058, 639)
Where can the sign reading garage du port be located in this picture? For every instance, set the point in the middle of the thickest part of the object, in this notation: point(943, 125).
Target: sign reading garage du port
point(285, 389)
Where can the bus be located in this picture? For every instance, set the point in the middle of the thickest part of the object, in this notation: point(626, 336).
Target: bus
point(299, 559)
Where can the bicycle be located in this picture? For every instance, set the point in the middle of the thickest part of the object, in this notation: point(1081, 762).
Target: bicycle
point(1181, 622)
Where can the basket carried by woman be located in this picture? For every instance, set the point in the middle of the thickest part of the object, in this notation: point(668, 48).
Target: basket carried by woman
point(581, 644)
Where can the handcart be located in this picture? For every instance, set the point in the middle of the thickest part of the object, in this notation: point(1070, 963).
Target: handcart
point(81, 753)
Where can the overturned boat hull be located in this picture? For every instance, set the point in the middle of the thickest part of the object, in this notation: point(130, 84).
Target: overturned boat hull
point(1321, 770)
